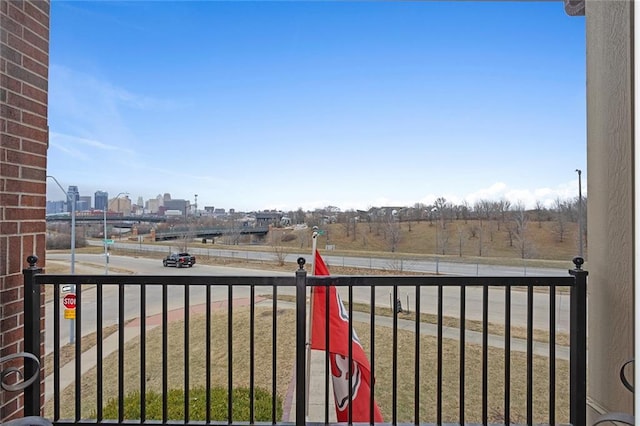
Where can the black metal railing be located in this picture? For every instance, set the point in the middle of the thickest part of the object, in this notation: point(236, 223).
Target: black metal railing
point(438, 364)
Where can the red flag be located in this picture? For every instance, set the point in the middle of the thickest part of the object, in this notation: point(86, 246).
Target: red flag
point(360, 369)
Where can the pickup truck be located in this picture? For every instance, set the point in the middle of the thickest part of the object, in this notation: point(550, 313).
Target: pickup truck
point(178, 260)
point(193, 258)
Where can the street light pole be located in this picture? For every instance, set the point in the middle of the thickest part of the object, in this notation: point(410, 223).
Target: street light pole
point(72, 327)
point(106, 251)
point(580, 209)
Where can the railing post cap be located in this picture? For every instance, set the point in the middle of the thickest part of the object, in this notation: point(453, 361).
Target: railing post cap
point(578, 261)
point(32, 260)
point(301, 261)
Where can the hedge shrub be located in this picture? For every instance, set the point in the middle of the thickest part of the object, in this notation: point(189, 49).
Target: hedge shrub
point(197, 405)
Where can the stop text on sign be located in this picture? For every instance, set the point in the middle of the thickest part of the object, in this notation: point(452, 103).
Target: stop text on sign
point(69, 301)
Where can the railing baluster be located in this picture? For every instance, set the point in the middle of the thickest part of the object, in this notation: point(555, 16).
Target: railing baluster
point(327, 366)
point(439, 368)
point(99, 350)
point(230, 354)
point(187, 315)
point(121, 394)
point(394, 359)
point(507, 354)
point(207, 355)
point(143, 353)
point(552, 354)
point(463, 304)
point(372, 352)
point(274, 354)
point(485, 355)
point(416, 365)
point(350, 313)
point(78, 352)
point(56, 353)
point(530, 355)
point(252, 349)
point(165, 352)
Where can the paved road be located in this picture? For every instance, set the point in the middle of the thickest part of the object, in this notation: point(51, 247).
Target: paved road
point(407, 264)
point(451, 300)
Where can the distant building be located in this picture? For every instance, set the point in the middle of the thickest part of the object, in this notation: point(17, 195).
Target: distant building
point(54, 207)
point(177, 204)
point(268, 218)
point(120, 205)
point(84, 203)
point(152, 205)
point(100, 200)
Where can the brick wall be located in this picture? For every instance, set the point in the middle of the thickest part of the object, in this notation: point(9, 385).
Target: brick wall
point(24, 69)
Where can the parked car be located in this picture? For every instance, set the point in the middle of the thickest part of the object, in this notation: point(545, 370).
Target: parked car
point(177, 260)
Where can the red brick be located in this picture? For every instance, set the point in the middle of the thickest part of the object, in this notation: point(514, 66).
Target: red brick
point(13, 308)
point(8, 296)
point(10, 25)
point(11, 55)
point(41, 17)
point(15, 253)
point(8, 323)
point(35, 120)
point(14, 281)
point(38, 41)
point(25, 187)
point(39, 200)
point(26, 76)
point(11, 213)
point(33, 227)
point(32, 173)
point(9, 112)
point(9, 200)
point(10, 170)
point(10, 142)
point(8, 228)
point(34, 66)
point(10, 83)
point(16, 12)
point(10, 409)
point(27, 49)
point(18, 157)
point(35, 147)
point(34, 93)
point(24, 103)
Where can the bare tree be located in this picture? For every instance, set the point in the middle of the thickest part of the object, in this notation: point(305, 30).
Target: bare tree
point(501, 208)
point(393, 231)
point(560, 227)
point(520, 221)
point(539, 211)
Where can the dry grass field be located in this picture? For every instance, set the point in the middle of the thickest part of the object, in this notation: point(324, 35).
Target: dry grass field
point(461, 239)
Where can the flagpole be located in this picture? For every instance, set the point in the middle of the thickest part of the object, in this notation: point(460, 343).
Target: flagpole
point(314, 247)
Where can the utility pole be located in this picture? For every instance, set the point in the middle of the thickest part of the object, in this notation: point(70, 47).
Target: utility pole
point(580, 211)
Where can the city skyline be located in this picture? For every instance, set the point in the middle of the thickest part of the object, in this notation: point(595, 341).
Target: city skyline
point(287, 105)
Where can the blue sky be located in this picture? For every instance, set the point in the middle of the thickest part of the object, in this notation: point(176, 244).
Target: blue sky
point(281, 105)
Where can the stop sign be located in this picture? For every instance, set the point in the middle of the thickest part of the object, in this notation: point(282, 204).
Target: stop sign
point(69, 301)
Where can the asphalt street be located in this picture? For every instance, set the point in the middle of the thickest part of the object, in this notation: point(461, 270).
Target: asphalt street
point(153, 301)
